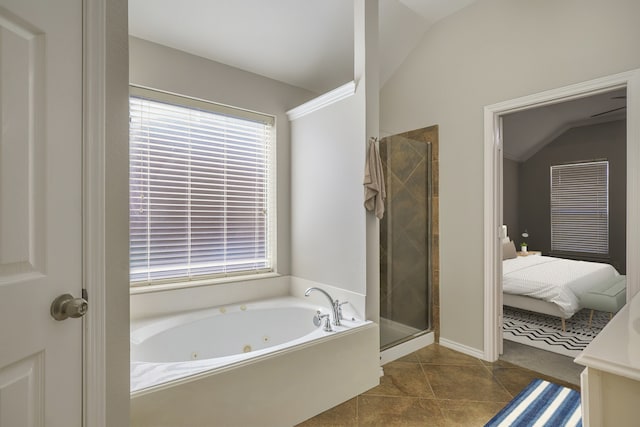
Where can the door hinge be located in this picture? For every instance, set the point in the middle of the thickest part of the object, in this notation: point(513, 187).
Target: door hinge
point(85, 294)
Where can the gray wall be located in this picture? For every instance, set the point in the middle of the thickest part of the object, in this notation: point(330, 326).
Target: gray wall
point(492, 51)
point(510, 199)
point(160, 67)
point(601, 141)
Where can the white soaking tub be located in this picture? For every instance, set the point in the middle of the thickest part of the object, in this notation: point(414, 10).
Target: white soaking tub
point(238, 363)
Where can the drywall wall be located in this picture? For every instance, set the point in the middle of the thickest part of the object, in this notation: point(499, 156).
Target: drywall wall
point(605, 141)
point(335, 241)
point(491, 51)
point(160, 67)
point(367, 72)
point(327, 214)
point(510, 199)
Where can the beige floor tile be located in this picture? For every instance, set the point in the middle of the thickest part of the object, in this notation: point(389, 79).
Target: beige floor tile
point(434, 386)
point(438, 355)
point(468, 414)
point(403, 379)
point(398, 411)
point(514, 379)
point(412, 358)
point(498, 364)
point(465, 383)
point(343, 415)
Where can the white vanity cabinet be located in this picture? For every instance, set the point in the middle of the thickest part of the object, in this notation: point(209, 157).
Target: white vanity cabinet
point(610, 384)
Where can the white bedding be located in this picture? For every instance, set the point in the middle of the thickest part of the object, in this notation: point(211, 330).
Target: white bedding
point(556, 280)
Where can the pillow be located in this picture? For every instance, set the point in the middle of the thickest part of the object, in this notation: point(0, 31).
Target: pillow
point(508, 250)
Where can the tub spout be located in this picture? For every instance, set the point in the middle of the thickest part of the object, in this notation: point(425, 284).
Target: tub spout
point(335, 304)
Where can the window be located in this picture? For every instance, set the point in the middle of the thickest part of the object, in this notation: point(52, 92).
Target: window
point(580, 207)
point(201, 189)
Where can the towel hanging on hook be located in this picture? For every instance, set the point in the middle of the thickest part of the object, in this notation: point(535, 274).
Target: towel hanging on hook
point(374, 191)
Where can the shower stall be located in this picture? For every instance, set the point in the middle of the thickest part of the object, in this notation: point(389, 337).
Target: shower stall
point(407, 237)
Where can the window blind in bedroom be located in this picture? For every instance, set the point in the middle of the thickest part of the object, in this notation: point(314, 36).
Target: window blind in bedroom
point(202, 199)
point(580, 207)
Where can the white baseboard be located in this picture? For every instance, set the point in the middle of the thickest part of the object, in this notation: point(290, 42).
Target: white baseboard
point(408, 347)
point(469, 351)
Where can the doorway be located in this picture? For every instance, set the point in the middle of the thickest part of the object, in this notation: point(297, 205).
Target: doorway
point(494, 185)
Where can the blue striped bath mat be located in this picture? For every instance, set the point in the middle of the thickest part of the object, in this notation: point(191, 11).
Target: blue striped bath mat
point(541, 404)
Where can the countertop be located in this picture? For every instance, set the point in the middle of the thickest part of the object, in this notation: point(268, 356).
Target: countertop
point(616, 349)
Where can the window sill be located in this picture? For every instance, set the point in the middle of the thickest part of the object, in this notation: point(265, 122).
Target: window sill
point(143, 289)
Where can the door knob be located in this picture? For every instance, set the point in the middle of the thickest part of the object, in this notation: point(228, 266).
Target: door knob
point(67, 306)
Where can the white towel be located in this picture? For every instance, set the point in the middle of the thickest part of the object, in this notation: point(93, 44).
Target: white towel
point(374, 191)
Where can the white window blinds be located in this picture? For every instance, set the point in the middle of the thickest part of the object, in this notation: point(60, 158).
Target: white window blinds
point(201, 189)
point(580, 207)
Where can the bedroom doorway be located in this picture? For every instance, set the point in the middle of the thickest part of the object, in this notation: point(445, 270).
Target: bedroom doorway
point(564, 195)
point(495, 148)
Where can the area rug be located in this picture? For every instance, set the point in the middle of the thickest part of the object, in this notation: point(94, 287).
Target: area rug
point(545, 332)
point(542, 404)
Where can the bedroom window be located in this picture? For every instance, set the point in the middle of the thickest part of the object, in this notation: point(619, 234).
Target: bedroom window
point(201, 184)
point(580, 207)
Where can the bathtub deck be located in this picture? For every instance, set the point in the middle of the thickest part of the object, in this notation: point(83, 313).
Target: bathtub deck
point(306, 380)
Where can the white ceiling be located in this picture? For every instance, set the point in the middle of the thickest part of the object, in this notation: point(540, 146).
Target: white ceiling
point(306, 43)
point(526, 132)
point(309, 44)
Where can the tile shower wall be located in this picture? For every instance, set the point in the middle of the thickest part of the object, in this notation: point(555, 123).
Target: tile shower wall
point(405, 252)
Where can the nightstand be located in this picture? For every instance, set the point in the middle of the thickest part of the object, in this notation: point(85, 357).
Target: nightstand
point(538, 253)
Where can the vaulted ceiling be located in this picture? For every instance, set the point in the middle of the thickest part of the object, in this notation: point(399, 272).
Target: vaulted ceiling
point(306, 43)
point(526, 132)
point(309, 44)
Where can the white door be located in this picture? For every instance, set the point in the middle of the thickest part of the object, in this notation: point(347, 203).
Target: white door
point(40, 211)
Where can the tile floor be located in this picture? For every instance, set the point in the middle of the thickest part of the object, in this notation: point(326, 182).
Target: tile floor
point(434, 386)
point(552, 364)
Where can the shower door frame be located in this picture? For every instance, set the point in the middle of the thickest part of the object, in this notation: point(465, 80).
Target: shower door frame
point(429, 266)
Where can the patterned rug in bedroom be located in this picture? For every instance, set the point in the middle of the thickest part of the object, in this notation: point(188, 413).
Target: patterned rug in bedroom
point(545, 332)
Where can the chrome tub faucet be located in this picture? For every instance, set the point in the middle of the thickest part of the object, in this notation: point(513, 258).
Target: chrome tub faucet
point(336, 306)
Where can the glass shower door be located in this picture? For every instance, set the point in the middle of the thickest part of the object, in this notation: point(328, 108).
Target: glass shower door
point(405, 240)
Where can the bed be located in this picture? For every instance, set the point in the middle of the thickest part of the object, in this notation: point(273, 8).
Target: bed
point(550, 285)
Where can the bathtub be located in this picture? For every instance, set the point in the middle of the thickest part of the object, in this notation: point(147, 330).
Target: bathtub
point(243, 363)
point(178, 346)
